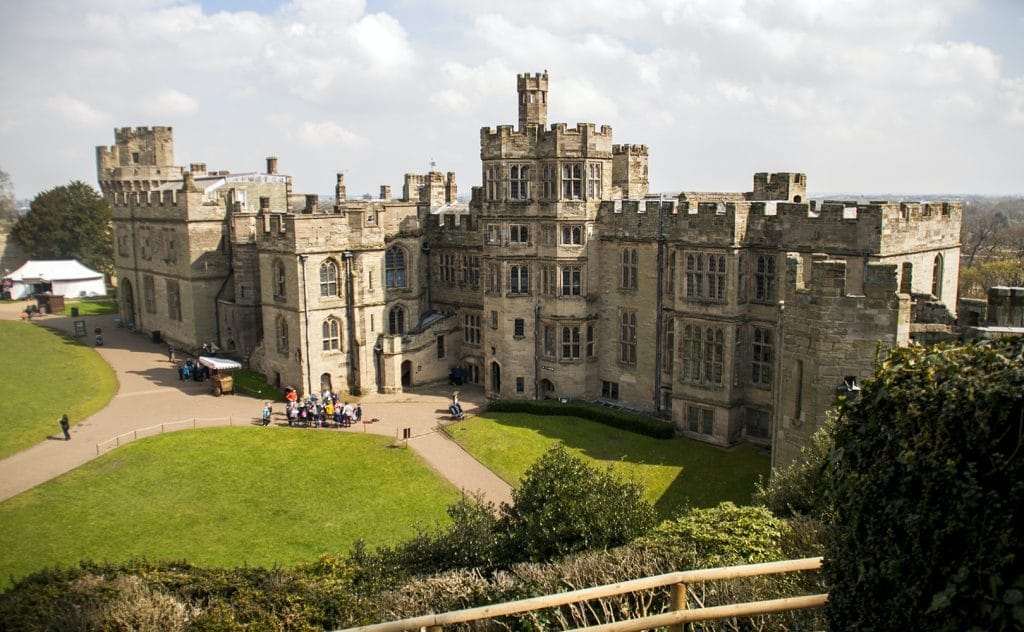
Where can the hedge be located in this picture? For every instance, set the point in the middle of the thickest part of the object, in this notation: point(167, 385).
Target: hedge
point(624, 420)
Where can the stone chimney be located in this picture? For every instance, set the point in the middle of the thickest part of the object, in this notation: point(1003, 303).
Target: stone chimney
point(312, 200)
point(272, 165)
point(385, 192)
point(339, 189)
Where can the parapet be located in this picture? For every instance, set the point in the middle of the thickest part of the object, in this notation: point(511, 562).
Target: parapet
point(783, 187)
point(629, 150)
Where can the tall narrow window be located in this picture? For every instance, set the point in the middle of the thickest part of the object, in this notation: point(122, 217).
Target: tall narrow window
point(549, 173)
point(629, 268)
point(394, 267)
point(937, 277)
point(669, 350)
point(396, 321)
point(627, 337)
point(471, 329)
point(329, 278)
point(518, 182)
point(761, 357)
point(572, 280)
point(494, 278)
point(548, 280)
point(570, 343)
point(716, 277)
point(764, 289)
point(549, 341)
point(282, 335)
point(670, 275)
point(149, 293)
point(572, 181)
point(591, 345)
point(173, 300)
point(594, 181)
point(519, 328)
point(492, 178)
point(279, 280)
point(331, 334)
point(471, 270)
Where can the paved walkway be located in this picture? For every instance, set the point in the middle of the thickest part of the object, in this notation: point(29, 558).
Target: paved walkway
point(149, 393)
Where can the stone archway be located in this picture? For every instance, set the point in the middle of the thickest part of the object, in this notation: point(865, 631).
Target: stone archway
point(547, 389)
point(495, 379)
point(406, 374)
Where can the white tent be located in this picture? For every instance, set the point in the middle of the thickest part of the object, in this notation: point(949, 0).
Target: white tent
point(221, 364)
point(66, 277)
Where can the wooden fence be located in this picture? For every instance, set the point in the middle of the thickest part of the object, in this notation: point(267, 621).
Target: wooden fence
point(676, 619)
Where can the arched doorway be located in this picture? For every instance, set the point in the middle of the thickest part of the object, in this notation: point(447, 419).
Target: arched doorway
point(937, 277)
point(129, 301)
point(325, 383)
point(547, 389)
point(407, 374)
point(495, 378)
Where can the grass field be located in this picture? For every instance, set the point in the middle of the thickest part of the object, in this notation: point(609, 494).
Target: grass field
point(676, 472)
point(224, 497)
point(90, 307)
point(43, 375)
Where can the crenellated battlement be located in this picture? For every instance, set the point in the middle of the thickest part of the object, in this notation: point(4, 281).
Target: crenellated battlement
point(629, 150)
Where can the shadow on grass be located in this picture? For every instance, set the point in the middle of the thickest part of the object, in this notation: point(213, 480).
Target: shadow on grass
point(707, 474)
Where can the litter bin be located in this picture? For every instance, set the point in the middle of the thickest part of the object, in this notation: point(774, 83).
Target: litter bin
point(156, 336)
point(74, 311)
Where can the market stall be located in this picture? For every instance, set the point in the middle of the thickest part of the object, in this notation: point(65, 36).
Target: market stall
point(221, 379)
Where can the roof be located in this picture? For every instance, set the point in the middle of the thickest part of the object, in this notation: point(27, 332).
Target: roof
point(43, 271)
point(221, 364)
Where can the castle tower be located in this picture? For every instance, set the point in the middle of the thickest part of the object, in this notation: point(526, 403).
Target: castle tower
point(533, 100)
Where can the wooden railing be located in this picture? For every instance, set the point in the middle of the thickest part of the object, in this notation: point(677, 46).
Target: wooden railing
point(676, 618)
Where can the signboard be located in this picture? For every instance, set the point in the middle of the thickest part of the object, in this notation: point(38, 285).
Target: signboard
point(79, 328)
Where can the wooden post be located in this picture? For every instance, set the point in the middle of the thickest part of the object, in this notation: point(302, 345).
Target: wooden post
point(678, 602)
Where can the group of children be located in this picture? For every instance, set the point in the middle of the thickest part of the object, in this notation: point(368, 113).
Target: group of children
point(193, 371)
point(316, 411)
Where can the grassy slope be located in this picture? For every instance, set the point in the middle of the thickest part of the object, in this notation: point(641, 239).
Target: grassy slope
point(89, 307)
point(227, 497)
point(43, 375)
point(675, 472)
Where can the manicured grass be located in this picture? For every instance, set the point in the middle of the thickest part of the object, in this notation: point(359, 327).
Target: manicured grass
point(43, 375)
point(224, 497)
point(91, 307)
point(676, 472)
point(254, 384)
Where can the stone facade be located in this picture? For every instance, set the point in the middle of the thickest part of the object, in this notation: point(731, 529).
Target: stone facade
point(738, 316)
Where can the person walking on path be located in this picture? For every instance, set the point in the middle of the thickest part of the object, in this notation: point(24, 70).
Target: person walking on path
point(65, 425)
point(170, 353)
point(267, 410)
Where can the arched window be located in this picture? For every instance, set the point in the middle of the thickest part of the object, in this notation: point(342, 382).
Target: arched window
point(329, 278)
point(332, 334)
point(396, 321)
point(280, 287)
point(282, 335)
point(937, 278)
point(394, 267)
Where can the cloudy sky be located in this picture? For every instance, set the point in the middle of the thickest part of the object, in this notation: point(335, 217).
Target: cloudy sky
point(865, 96)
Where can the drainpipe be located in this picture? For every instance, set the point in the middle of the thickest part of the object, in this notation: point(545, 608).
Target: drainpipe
point(425, 249)
point(350, 315)
point(659, 318)
point(305, 311)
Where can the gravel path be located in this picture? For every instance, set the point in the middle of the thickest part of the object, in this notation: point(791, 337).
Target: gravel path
point(150, 394)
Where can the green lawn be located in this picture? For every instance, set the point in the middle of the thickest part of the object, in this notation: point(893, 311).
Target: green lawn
point(676, 472)
point(224, 497)
point(90, 307)
point(43, 375)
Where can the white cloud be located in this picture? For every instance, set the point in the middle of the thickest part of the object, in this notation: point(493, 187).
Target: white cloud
point(382, 42)
point(733, 92)
point(168, 102)
point(76, 111)
point(450, 99)
point(326, 133)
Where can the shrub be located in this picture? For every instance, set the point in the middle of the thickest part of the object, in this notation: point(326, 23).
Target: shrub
point(624, 420)
point(928, 486)
point(799, 488)
point(564, 505)
point(722, 535)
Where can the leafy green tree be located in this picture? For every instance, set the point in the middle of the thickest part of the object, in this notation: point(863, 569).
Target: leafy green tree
point(6, 196)
point(564, 505)
point(68, 222)
point(799, 488)
point(927, 486)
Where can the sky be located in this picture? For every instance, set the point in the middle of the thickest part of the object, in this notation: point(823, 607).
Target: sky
point(864, 96)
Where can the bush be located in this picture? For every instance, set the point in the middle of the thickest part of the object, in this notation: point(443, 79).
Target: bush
point(624, 420)
point(563, 505)
point(799, 488)
point(928, 486)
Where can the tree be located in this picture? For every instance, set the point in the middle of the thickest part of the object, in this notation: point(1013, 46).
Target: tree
point(564, 505)
point(6, 196)
point(68, 222)
point(927, 489)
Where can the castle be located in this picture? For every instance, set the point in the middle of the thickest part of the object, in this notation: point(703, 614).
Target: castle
point(737, 316)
